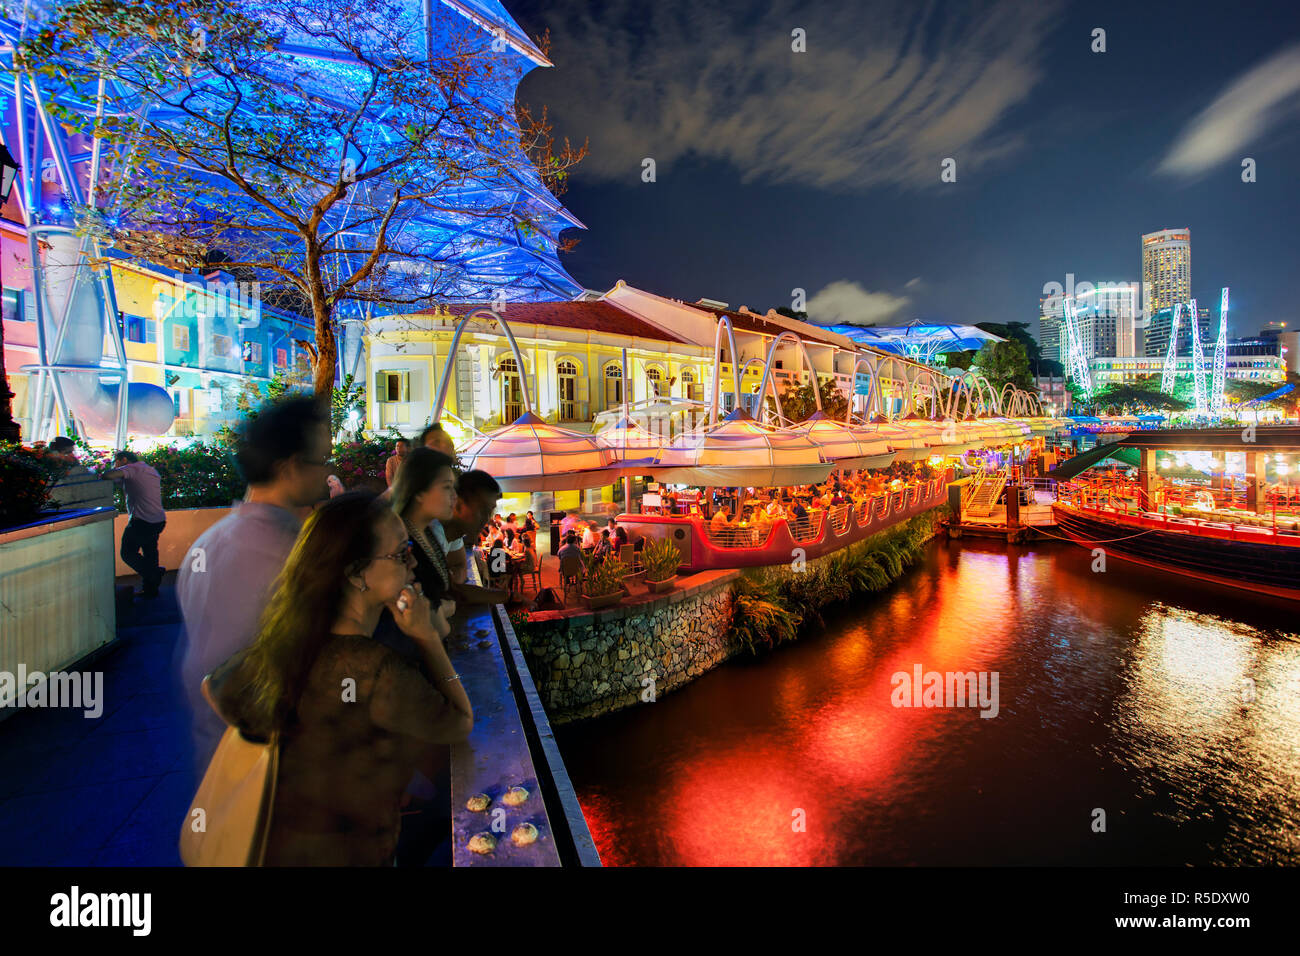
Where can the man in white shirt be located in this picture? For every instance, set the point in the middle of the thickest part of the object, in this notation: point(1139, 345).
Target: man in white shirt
point(143, 486)
point(227, 579)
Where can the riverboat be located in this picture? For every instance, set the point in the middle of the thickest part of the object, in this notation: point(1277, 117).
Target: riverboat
point(1229, 524)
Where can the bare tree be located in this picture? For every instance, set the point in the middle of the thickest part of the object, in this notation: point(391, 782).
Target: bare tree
point(327, 150)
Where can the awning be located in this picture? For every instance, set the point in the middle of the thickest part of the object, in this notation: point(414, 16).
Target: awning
point(531, 455)
point(739, 452)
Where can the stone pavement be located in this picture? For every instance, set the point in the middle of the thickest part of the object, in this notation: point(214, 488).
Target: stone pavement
point(112, 790)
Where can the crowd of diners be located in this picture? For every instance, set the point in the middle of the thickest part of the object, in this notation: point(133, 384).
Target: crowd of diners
point(741, 517)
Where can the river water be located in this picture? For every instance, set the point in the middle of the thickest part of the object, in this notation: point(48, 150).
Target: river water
point(1142, 719)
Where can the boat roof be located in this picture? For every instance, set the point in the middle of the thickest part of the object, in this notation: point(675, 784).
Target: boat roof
point(1248, 438)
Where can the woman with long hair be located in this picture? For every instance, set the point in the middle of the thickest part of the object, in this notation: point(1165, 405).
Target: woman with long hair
point(423, 492)
point(355, 719)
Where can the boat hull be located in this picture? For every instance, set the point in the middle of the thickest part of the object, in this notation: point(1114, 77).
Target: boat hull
point(1261, 567)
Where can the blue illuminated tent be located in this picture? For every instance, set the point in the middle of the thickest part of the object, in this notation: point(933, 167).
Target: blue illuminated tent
point(918, 340)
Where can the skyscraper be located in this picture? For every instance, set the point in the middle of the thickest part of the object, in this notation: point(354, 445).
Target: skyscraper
point(1166, 280)
point(1049, 328)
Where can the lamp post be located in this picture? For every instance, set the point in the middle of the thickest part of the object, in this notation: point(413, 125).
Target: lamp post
point(9, 430)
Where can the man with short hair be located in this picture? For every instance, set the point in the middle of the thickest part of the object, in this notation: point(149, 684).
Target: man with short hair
point(618, 534)
point(227, 578)
point(436, 437)
point(143, 487)
point(63, 451)
point(570, 546)
point(400, 450)
point(477, 494)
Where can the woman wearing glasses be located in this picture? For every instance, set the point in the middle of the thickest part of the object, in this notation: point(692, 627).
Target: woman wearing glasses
point(355, 719)
point(424, 492)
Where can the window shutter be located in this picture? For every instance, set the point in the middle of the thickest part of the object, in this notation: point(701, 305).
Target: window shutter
point(381, 387)
point(583, 388)
point(405, 387)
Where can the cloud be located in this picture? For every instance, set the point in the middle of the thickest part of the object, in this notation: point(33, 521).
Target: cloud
point(1238, 117)
point(883, 94)
point(847, 303)
point(913, 283)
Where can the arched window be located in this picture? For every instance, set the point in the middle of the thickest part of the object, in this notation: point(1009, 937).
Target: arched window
point(655, 376)
point(512, 393)
point(691, 388)
point(567, 374)
point(613, 385)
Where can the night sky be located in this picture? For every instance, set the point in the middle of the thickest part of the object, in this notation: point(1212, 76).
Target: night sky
point(821, 170)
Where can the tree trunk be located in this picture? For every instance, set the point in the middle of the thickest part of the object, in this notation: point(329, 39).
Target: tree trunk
point(324, 359)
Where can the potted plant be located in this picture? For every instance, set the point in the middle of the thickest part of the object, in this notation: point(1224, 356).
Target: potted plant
point(661, 559)
point(604, 586)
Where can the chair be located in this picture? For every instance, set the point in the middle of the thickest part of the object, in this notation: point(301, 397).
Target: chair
point(528, 569)
point(499, 557)
point(627, 555)
point(572, 574)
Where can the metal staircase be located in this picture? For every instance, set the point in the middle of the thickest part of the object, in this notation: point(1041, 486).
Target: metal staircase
point(984, 494)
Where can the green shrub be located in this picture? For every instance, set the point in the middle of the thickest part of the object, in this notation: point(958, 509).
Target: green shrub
point(197, 476)
point(605, 577)
point(760, 615)
point(360, 464)
point(25, 481)
point(768, 610)
point(661, 559)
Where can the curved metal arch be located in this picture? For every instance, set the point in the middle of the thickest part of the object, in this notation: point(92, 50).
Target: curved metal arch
point(928, 381)
point(724, 319)
point(1009, 409)
point(872, 389)
point(995, 401)
point(448, 368)
point(962, 393)
point(981, 387)
point(812, 369)
point(780, 409)
point(893, 360)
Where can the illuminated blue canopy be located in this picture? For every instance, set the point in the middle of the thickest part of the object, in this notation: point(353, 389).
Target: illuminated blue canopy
point(482, 256)
point(917, 340)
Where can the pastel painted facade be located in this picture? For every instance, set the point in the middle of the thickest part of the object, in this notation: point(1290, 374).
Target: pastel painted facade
point(200, 338)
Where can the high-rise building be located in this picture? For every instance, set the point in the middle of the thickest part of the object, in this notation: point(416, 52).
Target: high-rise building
point(1107, 316)
point(1156, 341)
point(1049, 328)
point(1166, 280)
point(1166, 268)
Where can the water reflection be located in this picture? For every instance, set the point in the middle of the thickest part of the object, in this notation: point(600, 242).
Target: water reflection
point(1120, 691)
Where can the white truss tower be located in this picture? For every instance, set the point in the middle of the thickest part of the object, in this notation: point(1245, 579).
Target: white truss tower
point(1171, 354)
point(1217, 401)
point(1198, 365)
point(1077, 360)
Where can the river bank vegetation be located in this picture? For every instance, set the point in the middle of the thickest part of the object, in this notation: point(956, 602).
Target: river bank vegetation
point(775, 605)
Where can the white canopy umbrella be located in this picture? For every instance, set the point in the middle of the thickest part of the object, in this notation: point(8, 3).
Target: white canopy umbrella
point(531, 455)
point(629, 441)
point(908, 445)
point(738, 452)
point(943, 438)
point(848, 446)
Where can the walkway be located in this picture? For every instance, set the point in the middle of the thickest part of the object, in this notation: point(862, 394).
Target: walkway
point(111, 790)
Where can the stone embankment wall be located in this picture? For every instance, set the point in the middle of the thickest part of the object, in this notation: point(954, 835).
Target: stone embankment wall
point(592, 664)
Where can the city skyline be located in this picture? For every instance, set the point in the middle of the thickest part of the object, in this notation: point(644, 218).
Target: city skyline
point(824, 173)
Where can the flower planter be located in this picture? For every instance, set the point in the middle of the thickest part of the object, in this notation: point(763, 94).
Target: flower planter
point(659, 587)
point(604, 600)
